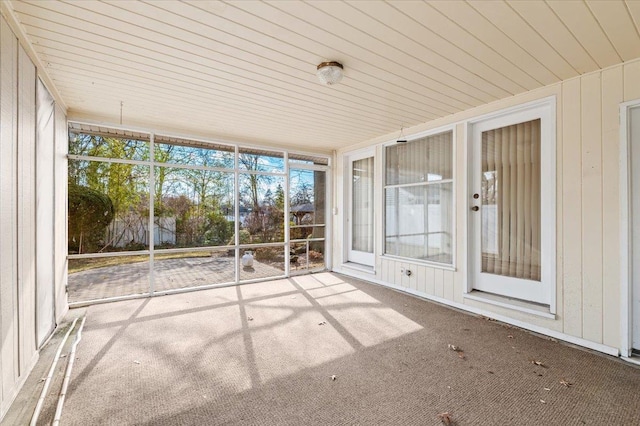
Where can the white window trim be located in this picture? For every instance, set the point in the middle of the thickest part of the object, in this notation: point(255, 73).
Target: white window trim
point(382, 203)
point(544, 109)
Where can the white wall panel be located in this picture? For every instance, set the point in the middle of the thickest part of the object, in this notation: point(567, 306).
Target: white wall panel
point(612, 95)
point(44, 212)
point(26, 242)
point(572, 201)
point(8, 210)
point(588, 200)
point(591, 209)
point(60, 212)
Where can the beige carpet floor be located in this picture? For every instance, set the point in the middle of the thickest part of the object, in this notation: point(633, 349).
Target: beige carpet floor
point(324, 349)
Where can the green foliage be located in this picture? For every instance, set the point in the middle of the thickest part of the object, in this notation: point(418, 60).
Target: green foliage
point(245, 238)
point(279, 198)
point(90, 212)
point(219, 229)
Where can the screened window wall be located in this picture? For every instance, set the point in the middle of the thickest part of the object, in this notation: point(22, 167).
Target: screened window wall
point(150, 213)
point(419, 199)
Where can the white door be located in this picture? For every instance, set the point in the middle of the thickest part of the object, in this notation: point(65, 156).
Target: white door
point(506, 206)
point(360, 208)
point(634, 142)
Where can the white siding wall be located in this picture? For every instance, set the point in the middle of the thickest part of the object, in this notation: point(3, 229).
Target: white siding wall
point(26, 212)
point(20, 275)
point(587, 192)
point(45, 132)
point(8, 212)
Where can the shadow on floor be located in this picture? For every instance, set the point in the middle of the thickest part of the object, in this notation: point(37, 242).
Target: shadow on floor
point(266, 353)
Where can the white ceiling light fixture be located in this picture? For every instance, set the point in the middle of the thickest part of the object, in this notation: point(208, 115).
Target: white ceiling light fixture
point(329, 73)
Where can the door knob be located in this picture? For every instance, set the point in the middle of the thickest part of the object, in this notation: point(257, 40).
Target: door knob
point(475, 208)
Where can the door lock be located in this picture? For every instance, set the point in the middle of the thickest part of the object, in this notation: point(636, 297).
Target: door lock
point(475, 208)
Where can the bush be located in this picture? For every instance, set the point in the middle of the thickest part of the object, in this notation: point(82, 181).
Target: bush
point(90, 212)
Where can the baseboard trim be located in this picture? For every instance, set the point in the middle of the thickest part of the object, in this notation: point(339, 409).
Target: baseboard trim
point(486, 313)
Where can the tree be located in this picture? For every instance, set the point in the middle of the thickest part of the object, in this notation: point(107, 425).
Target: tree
point(257, 221)
point(123, 183)
point(279, 197)
point(90, 212)
point(303, 195)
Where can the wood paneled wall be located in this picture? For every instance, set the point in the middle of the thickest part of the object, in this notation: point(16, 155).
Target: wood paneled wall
point(587, 216)
point(20, 277)
point(9, 361)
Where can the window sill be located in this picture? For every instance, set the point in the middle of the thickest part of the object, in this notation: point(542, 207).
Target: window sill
point(359, 267)
point(509, 303)
point(420, 262)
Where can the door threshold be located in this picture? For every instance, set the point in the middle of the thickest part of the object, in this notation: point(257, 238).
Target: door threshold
point(633, 359)
point(359, 267)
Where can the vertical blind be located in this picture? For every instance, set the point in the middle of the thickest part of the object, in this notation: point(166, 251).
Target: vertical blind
point(362, 207)
point(511, 208)
point(418, 196)
point(423, 160)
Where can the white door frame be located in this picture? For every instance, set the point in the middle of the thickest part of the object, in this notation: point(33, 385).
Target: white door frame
point(544, 109)
point(627, 286)
point(349, 158)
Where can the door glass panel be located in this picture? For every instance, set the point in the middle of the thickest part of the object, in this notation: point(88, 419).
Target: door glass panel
point(510, 199)
point(362, 205)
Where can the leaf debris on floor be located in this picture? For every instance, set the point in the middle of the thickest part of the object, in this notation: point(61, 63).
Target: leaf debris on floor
point(539, 363)
point(565, 383)
point(446, 418)
point(322, 323)
point(457, 349)
point(334, 377)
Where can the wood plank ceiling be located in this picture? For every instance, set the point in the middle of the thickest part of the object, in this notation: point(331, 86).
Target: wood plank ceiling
point(245, 70)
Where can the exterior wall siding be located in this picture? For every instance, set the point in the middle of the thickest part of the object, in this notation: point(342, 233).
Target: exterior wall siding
point(19, 274)
point(587, 212)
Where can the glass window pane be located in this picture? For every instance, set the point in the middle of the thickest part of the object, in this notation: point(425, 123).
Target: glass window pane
point(182, 151)
point(104, 277)
point(419, 222)
point(262, 161)
point(261, 212)
point(193, 208)
point(362, 205)
point(108, 146)
point(193, 269)
point(108, 207)
point(307, 203)
point(307, 256)
point(426, 159)
point(261, 262)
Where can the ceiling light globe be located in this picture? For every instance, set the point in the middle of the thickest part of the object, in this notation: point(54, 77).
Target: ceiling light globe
point(329, 73)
